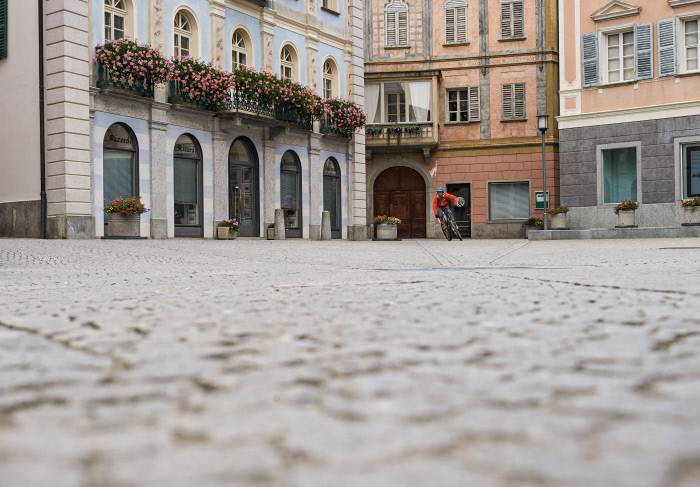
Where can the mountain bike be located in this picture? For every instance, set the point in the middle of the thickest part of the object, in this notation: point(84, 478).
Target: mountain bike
point(449, 224)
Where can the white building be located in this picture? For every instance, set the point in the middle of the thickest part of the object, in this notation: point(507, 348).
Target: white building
point(190, 166)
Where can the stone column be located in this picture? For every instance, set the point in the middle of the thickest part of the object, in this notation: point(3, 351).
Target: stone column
point(217, 13)
point(312, 60)
point(156, 26)
point(315, 186)
point(159, 185)
point(221, 190)
point(268, 34)
point(68, 156)
point(358, 177)
point(271, 178)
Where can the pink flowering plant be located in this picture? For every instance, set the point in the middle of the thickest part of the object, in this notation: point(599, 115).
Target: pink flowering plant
point(129, 64)
point(203, 84)
point(341, 116)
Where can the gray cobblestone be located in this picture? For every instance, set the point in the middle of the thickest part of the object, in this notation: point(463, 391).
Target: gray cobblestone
point(505, 363)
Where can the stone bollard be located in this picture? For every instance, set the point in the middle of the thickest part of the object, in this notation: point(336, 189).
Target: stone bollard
point(326, 226)
point(279, 224)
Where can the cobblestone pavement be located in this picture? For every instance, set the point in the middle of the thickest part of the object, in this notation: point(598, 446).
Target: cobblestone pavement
point(416, 363)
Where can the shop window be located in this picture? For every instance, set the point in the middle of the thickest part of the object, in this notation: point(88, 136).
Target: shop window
point(332, 193)
point(120, 164)
point(509, 200)
point(3, 29)
point(619, 174)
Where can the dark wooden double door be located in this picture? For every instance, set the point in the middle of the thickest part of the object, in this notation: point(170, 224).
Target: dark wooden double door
point(400, 192)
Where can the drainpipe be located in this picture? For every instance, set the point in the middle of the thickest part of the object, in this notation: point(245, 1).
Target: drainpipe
point(42, 128)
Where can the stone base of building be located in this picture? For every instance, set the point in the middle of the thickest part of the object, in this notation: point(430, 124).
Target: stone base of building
point(499, 230)
point(314, 232)
point(20, 219)
point(358, 232)
point(70, 227)
point(660, 215)
point(159, 229)
point(614, 233)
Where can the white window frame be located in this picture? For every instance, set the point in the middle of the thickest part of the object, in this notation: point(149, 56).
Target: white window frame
point(511, 6)
point(680, 144)
point(599, 169)
point(681, 51)
point(603, 55)
point(383, 103)
point(330, 78)
point(395, 9)
point(455, 6)
point(179, 33)
point(289, 64)
point(460, 89)
point(237, 51)
point(113, 11)
point(330, 5)
point(508, 181)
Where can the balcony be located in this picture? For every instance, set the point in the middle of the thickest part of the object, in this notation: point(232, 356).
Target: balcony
point(402, 136)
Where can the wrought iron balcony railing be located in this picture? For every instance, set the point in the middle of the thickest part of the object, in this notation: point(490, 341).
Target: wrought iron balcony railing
point(105, 82)
point(402, 135)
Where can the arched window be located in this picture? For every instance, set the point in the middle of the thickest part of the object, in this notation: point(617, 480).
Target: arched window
point(118, 19)
point(331, 194)
point(187, 191)
point(290, 193)
point(240, 53)
point(184, 35)
point(330, 79)
point(120, 164)
point(396, 24)
point(288, 63)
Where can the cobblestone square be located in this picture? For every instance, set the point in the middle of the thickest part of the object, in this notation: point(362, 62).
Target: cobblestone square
point(298, 363)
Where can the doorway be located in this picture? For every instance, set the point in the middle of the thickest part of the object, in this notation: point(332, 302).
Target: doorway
point(290, 194)
point(331, 195)
point(244, 197)
point(187, 193)
point(463, 215)
point(400, 192)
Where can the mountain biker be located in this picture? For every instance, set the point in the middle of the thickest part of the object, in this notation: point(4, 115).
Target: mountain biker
point(441, 201)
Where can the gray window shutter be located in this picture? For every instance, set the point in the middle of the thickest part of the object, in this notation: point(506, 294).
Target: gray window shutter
point(590, 59)
point(3, 29)
point(450, 25)
point(403, 28)
point(474, 104)
point(461, 24)
point(518, 20)
point(391, 28)
point(642, 50)
point(519, 92)
point(667, 47)
point(507, 101)
point(506, 20)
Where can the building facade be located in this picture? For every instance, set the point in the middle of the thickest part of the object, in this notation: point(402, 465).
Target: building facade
point(630, 108)
point(190, 166)
point(453, 90)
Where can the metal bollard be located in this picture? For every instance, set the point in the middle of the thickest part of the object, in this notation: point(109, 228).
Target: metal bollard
point(326, 226)
point(279, 224)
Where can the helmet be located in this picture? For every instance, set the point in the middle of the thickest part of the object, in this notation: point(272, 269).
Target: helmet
point(440, 190)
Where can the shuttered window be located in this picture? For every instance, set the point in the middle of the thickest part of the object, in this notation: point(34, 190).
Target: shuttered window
point(690, 33)
point(620, 53)
point(463, 105)
point(396, 24)
point(513, 97)
point(642, 48)
point(623, 56)
point(590, 59)
point(667, 47)
point(3, 29)
point(456, 22)
point(512, 19)
point(509, 201)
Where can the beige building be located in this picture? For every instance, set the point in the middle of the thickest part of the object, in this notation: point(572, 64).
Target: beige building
point(630, 108)
point(191, 166)
point(453, 90)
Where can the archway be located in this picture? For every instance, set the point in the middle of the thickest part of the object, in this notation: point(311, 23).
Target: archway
point(120, 171)
point(244, 197)
point(290, 194)
point(332, 194)
point(187, 193)
point(400, 191)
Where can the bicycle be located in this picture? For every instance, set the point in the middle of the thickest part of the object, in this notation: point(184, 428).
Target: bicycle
point(449, 224)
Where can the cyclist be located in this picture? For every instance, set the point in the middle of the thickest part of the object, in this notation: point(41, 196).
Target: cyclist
point(441, 201)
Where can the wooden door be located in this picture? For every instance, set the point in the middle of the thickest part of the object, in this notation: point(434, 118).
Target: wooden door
point(400, 192)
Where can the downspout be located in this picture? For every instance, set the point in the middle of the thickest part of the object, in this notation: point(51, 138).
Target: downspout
point(42, 125)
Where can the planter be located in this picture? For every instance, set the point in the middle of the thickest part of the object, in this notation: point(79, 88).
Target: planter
point(691, 216)
point(119, 225)
point(270, 233)
point(386, 232)
point(559, 221)
point(226, 233)
point(626, 218)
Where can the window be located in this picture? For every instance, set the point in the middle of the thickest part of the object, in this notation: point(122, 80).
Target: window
point(290, 193)
point(396, 24)
point(512, 19)
point(509, 200)
point(239, 53)
point(330, 5)
point(399, 101)
point(463, 105)
point(115, 19)
point(288, 60)
point(620, 55)
point(183, 36)
point(332, 193)
point(690, 31)
point(456, 21)
point(513, 95)
point(187, 190)
point(120, 170)
point(330, 79)
point(619, 174)
point(692, 171)
point(3, 29)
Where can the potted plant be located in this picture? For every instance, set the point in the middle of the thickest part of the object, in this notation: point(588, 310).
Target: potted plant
point(691, 211)
point(270, 234)
point(386, 227)
point(626, 213)
point(124, 217)
point(227, 229)
point(558, 215)
point(535, 222)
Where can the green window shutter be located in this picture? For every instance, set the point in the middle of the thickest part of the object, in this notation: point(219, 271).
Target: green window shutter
point(3, 29)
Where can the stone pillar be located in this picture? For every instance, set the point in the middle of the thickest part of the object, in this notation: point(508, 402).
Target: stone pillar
point(221, 190)
point(68, 151)
point(312, 61)
point(358, 176)
point(280, 229)
point(268, 34)
point(315, 186)
point(326, 233)
point(159, 185)
point(217, 14)
point(271, 178)
point(156, 26)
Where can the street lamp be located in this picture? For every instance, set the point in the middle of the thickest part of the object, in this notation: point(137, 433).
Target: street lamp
point(543, 125)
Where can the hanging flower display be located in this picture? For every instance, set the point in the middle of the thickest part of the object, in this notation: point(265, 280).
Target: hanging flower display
point(203, 84)
point(129, 63)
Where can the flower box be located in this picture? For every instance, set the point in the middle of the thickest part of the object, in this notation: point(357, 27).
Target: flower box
point(559, 221)
point(386, 231)
point(226, 233)
point(121, 226)
point(691, 216)
point(626, 212)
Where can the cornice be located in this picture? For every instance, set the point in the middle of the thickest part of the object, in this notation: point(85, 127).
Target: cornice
point(682, 3)
point(627, 10)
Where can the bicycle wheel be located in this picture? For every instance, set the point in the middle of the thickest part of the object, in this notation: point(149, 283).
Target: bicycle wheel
point(455, 229)
point(445, 228)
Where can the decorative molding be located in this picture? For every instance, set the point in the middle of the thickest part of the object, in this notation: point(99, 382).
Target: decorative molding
point(615, 10)
point(682, 3)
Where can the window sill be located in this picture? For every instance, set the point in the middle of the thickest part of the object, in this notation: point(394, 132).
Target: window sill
point(330, 11)
point(512, 39)
point(511, 220)
point(455, 44)
point(513, 120)
point(618, 83)
point(684, 74)
point(451, 124)
point(392, 48)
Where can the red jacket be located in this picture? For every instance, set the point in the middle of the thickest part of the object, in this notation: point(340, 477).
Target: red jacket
point(443, 203)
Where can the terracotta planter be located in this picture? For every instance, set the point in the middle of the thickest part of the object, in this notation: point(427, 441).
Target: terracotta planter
point(119, 225)
point(690, 216)
point(559, 221)
point(626, 218)
point(226, 233)
point(386, 232)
